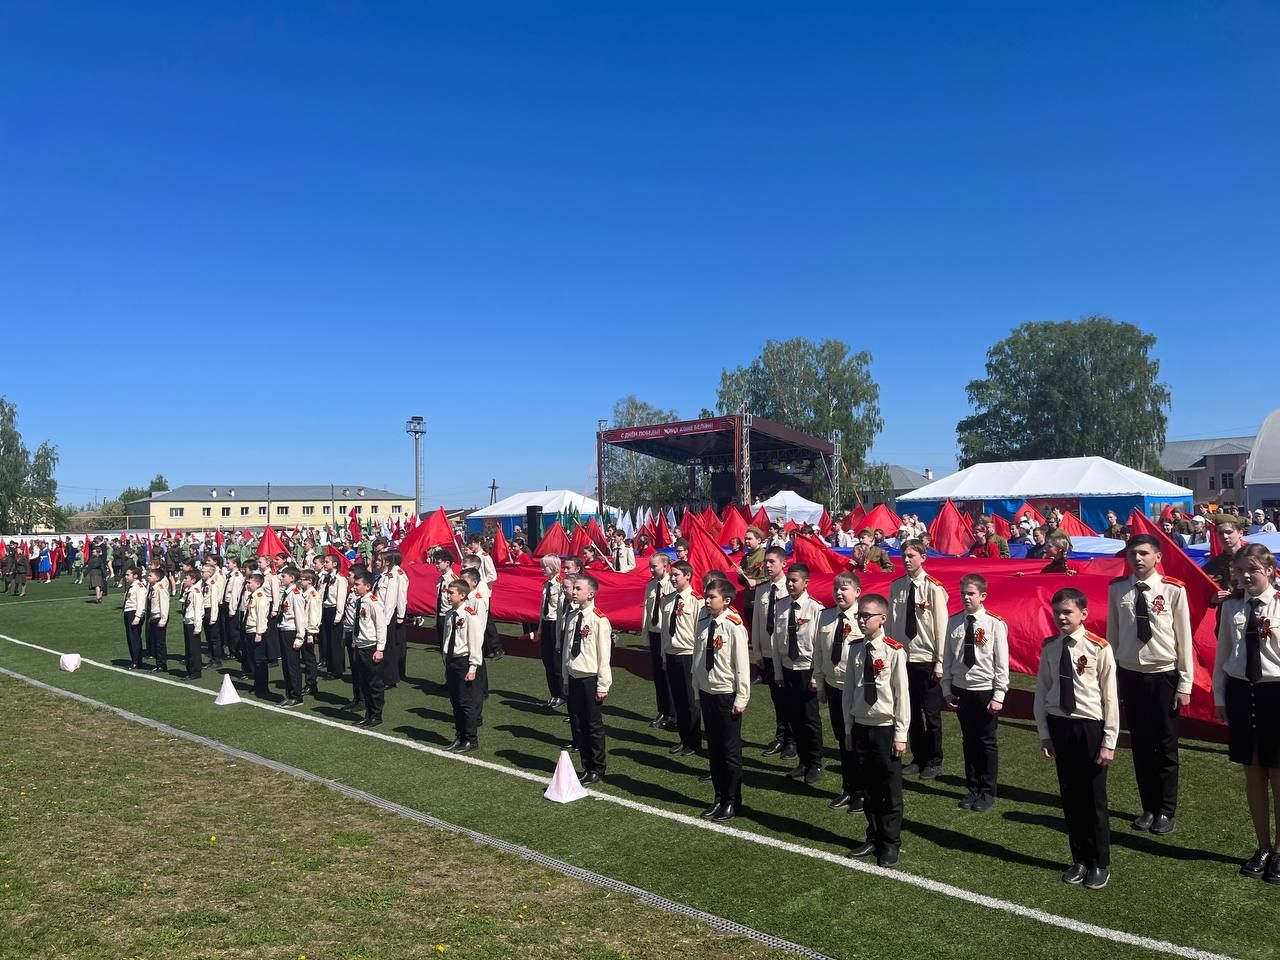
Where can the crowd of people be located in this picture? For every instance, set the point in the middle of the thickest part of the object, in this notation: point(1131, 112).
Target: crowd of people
point(883, 665)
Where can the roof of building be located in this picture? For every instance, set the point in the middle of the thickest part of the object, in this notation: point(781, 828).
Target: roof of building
point(1062, 477)
point(1229, 448)
point(1183, 454)
point(904, 478)
point(279, 491)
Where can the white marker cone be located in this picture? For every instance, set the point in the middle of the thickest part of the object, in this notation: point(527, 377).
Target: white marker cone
point(564, 786)
point(227, 695)
point(69, 662)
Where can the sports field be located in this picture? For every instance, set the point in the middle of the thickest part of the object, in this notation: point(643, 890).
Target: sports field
point(95, 807)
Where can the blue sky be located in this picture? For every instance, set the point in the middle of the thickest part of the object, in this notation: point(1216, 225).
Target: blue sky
point(244, 242)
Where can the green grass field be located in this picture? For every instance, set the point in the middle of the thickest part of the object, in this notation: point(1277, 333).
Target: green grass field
point(1182, 889)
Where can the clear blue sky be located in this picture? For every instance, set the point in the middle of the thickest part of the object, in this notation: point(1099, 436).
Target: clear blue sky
point(216, 217)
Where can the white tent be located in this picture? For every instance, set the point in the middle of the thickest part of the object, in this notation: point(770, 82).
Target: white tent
point(1262, 475)
point(551, 501)
point(788, 505)
point(1068, 477)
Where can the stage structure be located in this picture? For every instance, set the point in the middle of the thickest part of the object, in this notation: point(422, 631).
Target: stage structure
point(748, 458)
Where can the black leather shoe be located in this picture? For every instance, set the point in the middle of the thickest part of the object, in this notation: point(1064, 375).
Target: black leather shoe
point(812, 774)
point(587, 779)
point(710, 811)
point(796, 773)
point(453, 747)
point(1144, 822)
point(676, 749)
point(159, 669)
point(1097, 878)
point(856, 805)
point(931, 772)
point(688, 752)
point(862, 850)
point(571, 747)
point(705, 778)
point(1163, 825)
point(469, 747)
point(1074, 873)
point(789, 752)
point(967, 802)
point(911, 769)
point(984, 803)
point(669, 723)
point(375, 722)
point(773, 749)
point(887, 858)
point(726, 812)
point(1272, 873)
point(1256, 865)
point(657, 721)
point(840, 802)
point(362, 722)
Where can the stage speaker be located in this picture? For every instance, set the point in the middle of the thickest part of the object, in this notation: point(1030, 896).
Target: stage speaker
point(533, 527)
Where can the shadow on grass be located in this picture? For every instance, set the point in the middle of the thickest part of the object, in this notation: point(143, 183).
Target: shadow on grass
point(666, 764)
point(528, 761)
point(529, 733)
point(431, 737)
point(967, 843)
point(654, 791)
point(427, 714)
point(1124, 837)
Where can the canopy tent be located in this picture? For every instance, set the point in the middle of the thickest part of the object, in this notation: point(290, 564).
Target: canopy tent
point(1262, 475)
point(788, 505)
point(1087, 486)
point(510, 512)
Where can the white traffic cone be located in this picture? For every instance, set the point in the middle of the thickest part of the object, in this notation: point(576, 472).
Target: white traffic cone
point(564, 786)
point(69, 662)
point(227, 695)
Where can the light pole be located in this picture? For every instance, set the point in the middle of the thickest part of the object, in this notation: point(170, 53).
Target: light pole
point(418, 428)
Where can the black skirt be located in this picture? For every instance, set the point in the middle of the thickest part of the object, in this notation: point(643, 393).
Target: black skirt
point(1253, 715)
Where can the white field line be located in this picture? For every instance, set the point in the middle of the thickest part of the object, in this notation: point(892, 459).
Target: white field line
point(924, 883)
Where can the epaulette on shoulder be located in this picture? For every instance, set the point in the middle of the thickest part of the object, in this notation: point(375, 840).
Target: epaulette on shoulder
point(933, 579)
point(890, 642)
point(1095, 639)
point(1118, 579)
point(995, 616)
point(1175, 581)
point(470, 610)
point(733, 618)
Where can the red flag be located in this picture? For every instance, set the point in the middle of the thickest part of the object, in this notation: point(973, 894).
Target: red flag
point(413, 522)
point(710, 520)
point(26, 549)
point(1001, 525)
point(87, 548)
point(343, 563)
point(817, 556)
point(1215, 541)
point(553, 542)
point(852, 521)
point(1072, 526)
point(705, 554)
point(884, 519)
point(270, 544)
point(580, 541)
point(500, 552)
point(761, 520)
point(687, 521)
point(219, 539)
point(596, 534)
point(734, 526)
point(825, 526)
point(434, 531)
point(1027, 509)
point(247, 533)
point(948, 532)
point(353, 526)
point(662, 535)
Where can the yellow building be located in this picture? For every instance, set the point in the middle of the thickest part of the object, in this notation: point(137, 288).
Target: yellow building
point(197, 507)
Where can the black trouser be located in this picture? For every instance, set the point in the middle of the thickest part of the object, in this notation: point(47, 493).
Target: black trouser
point(229, 630)
point(402, 647)
point(290, 665)
point(551, 660)
point(255, 651)
point(1083, 785)
point(588, 723)
point(492, 641)
point(835, 710)
point(213, 638)
point(310, 669)
point(368, 680)
point(133, 637)
point(390, 665)
point(684, 699)
point(349, 645)
point(724, 744)
point(191, 642)
point(802, 711)
point(156, 643)
point(1150, 708)
point(272, 638)
point(661, 683)
point(879, 775)
point(781, 721)
point(978, 726)
point(926, 715)
point(464, 695)
point(332, 649)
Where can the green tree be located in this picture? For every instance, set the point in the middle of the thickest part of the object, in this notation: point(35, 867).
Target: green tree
point(633, 479)
point(1068, 389)
point(28, 489)
point(816, 388)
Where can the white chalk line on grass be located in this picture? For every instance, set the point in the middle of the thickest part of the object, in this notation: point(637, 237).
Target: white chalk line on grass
point(924, 883)
point(18, 603)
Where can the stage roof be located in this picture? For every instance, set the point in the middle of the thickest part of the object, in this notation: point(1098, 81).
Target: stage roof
point(711, 441)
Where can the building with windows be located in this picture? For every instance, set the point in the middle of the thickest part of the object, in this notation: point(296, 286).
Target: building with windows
point(236, 506)
point(1212, 468)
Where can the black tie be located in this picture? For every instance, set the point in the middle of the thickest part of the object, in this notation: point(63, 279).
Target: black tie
point(970, 654)
point(653, 614)
point(546, 599)
point(1141, 613)
point(793, 641)
point(617, 559)
point(1253, 643)
point(912, 627)
point(769, 621)
point(577, 638)
point(711, 646)
point(869, 674)
point(1066, 680)
point(328, 582)
point(146, 613)
point(452, 617)
point(837, 642)
point(671, 618)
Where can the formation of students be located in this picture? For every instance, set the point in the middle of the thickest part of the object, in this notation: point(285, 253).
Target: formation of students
point(883, 667)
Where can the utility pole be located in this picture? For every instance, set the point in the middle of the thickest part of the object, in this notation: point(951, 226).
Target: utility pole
point(418, 428)
point(493, 491)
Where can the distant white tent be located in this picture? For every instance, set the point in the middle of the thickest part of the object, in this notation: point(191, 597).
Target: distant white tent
point(551, 501)
point(1262, 475)
point(788, 505)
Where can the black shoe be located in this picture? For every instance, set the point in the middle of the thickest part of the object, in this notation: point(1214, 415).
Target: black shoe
point(705, 778)
point(931, 772)
point(1163, 825)
point(797, 773)
point(911, 769)
point(134, 666)
point(773, 749)
point(967, 802)
point(789, 752)
point(888, 858)
point(1097, 878)
point(571, 747)
point(191, 676)
point(1075, 873)
point(566, 719)
point(657, 721)
point(688, 752)
point(453, 747)
point(551, 702)
point(708, 813)
point(856, 805)
point(159, 669)
point(557, 702)
point(861, 850)
point(362, 722)
point(312, 691)
point(289, 702)
point(726, 812)
point(984, 803)
point(1272, 873)
point(587, 779)
point(375, 722)
point(469, 747)
point(840, 802)
point(1144, 822)
point(1256, 865)
point(669, 723)
point(679, 747)
point(812, 775)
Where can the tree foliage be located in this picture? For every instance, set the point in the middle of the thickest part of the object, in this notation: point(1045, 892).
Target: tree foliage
point(28, 489)
point(636, 480)
point(1069, 389)
point(815, 388)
